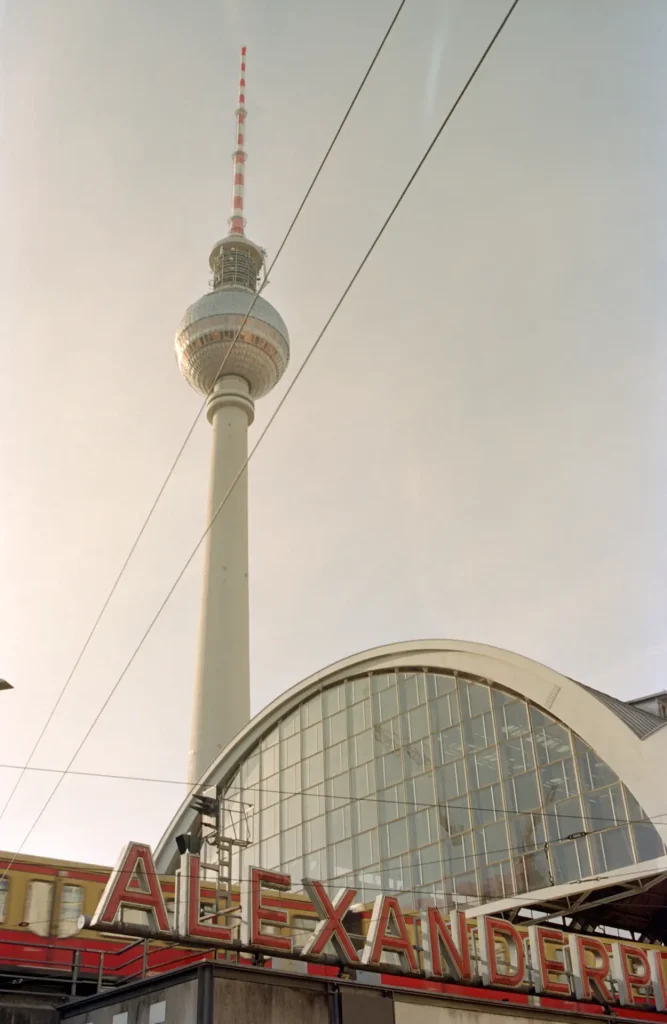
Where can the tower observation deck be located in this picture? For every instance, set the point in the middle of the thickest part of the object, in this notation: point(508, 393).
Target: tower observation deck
point(233, 347)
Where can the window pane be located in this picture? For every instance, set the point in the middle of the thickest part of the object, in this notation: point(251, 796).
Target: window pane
point(362, 747)
point(458, 854)
point(311, 711)
point(527, 832)
point(517, 756)
point(250, 771)
point(417, 722)
point(382, 681)
point(558, 781)
point(600, 812)
point(445, 711)
point(438, 685)
point(537, 870)
point(363, 780)
point(391, 769)
point(291, 750)
point(423, 828)
point(334, 699)
point(551, 739)
point(360, 717)
point(357, 689)
point(647, 842)
point(290, 724)
point(312, 739)
point(455, 816)
point(339, 823)
point(483, 769)
point(451, 781)
point(385, 704)
point(315, 864)
point(593, 771)
point(417, 756)
point(4, 896)
point(450, 744)
point(475, 698)
point(313, 770)
point(419, 790)
point(478, 732)
point(366, 848)
point(397, 834)
point(315, 833)
point(39, 901)
point(491, 843)
point(570, 861)
point(487, 805)
point(335, 728)
point(292, 844)
point(617, 848)
point(412, 686)
point(429, 866)
point(511, 715)
point(313, 802)
point(270, 761)
point(337, 759)
point(565, 818)
point(388, 801)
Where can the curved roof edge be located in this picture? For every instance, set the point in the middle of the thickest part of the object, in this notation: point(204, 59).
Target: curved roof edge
point(592, 715)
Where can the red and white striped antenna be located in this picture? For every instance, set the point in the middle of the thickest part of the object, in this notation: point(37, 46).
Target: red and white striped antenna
point(237, 220)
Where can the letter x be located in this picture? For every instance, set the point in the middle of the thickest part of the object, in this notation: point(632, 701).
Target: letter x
point(330, 926)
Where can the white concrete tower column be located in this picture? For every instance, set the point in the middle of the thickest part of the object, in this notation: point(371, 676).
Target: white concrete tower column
point(233, 347)
point(221, 711)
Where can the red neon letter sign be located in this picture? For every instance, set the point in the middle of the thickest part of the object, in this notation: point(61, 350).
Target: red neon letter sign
point(134, 866)
point(389, 931)
point(621, 959)
point(543, 967)
point(590, 982)
point(657, 958)
point(189, 924)
point(330, 926)
point(488, 928)
point(259, 914)
point(448, 943)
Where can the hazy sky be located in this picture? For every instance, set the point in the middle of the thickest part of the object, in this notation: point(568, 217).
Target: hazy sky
point(477, 449)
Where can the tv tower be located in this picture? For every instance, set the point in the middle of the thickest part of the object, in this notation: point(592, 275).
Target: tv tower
point(232, 372)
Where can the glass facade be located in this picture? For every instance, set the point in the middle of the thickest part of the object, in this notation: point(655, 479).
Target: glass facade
point(443, 788)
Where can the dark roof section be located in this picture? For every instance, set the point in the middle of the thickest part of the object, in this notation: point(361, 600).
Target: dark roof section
point(643, 723)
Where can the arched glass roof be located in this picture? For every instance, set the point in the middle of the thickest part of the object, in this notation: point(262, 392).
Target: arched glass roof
point(439, 785)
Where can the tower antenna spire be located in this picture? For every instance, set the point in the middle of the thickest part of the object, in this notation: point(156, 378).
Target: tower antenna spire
point(237, 220)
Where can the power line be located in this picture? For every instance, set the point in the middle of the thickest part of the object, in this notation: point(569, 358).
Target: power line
point(445, 804)
point(288, 391)
point(188, 435)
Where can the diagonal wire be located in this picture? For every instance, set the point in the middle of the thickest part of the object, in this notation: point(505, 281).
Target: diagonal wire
point(454, 803)
point(273, 416)
point(190, 432)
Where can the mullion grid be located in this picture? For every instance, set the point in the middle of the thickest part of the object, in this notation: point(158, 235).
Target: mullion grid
point(504, 813)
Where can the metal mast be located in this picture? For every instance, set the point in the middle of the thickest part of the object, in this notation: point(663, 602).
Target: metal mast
point(237, 221)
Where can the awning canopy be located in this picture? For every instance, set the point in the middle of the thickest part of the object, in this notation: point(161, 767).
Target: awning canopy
point(629, 899)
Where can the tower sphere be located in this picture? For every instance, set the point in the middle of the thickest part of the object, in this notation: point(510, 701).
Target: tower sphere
point(205, 337)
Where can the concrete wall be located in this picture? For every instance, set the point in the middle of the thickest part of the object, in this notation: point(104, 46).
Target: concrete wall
point(15, 1009)
point(145, 1007)
point(239, 1002)
point(425, 1011)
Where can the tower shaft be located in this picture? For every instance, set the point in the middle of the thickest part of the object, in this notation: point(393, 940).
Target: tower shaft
point(221, 706)
point(233, 347)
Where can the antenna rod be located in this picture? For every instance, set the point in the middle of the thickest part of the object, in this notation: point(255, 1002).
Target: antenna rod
point(237, 221)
